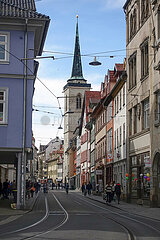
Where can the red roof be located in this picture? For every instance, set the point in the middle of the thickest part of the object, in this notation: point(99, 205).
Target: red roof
point(119, 67)
point(94, 95)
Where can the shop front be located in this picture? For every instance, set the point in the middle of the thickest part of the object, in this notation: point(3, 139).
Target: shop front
point(140, 176)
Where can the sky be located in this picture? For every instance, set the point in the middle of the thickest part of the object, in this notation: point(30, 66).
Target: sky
point(102, 33)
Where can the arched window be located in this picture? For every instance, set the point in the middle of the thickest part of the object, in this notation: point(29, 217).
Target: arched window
point(134, 21)
point(78, 101)
point(131, 25)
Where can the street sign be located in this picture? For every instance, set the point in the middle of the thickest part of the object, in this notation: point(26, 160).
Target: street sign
point(98, 172)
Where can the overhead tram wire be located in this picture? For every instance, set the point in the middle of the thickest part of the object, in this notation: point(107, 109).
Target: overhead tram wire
point(34, 75)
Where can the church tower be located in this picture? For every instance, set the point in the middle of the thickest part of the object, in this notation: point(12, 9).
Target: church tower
point(73, 98)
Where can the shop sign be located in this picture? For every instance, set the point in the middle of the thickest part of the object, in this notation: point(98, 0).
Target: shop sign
point(98, 172)
point(147, 161)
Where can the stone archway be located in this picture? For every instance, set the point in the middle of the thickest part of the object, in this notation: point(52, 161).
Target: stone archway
point(156, 180)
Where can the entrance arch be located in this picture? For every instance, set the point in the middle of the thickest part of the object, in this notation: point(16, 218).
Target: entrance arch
point(156, 180)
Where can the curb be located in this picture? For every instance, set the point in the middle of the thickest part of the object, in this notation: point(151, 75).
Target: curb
point(123, 209)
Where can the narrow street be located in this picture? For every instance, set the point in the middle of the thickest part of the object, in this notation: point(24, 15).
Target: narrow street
point(57, 215)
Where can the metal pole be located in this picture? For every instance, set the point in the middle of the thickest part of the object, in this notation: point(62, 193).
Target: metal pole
point(23, 191)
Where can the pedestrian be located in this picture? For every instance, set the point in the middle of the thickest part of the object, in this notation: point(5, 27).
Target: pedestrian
point(14, 192)
point(118, 191)
point(67, 187)
point(5, 189)
point(0, 188)
point(85, 189)
point(82, 188)
point(45, 187)
point(113, 191)
point(32, 190)
point(89, 188)
point(108, 190)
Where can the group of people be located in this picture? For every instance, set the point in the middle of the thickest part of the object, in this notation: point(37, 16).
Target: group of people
point(86, 188)
point(113, 192)
point(32, 188)
point(7, 188)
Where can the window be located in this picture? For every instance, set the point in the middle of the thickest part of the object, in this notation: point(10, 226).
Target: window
point(109, 112)
point(78, 102)
point(3, 106)
point(120, 136)
point(117, 138)
point(114, 139)
point(157, 107)
point(132, 71)
point(144, 59)
point(158, 22)
point(146, 114)
point(4, 47)
point(124, 133)
point(135, 119)
point(120, 99)
point(109, 143)
point(115, 106)
point(66, 104)
point(134, 21)
point(131, 26)
point(124, 95)
point(117, 103)
point(142, 10)
point(130, 122)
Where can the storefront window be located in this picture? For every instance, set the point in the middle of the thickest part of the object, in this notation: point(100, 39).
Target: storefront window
point(140, 175)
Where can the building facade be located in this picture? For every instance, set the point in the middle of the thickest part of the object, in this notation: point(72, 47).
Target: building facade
point(143, 86)
point(21, 29)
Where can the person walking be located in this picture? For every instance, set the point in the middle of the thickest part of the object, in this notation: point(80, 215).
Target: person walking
point(113, 191)
point(89, 188)
point(108, 190)
point(118, 191)
point(0, 188)
point(67, 187)
point(5, 189)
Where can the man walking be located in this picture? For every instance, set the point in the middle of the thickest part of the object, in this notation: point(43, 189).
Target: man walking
point(108, 190)
point(118, 191)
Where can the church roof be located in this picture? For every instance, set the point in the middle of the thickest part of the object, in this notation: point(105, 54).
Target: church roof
point(77, 73)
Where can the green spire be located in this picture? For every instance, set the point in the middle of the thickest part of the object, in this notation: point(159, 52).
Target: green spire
point(77, 66)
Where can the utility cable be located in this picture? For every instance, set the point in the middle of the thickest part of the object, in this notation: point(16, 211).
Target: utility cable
point(33, 75)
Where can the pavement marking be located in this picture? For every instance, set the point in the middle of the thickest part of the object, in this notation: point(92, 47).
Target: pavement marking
point(36, 223)
point(83, 214)
point(121, 215)
point(56, 213)
point(58, 226)
point(78, 202)
point(9, 219)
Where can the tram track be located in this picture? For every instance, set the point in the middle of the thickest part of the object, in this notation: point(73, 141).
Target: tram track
point(131, 234)
point(117, 218)
point(48, 213)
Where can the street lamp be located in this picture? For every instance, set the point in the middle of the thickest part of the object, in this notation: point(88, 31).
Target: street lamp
point(95, 62)
point(38, 57)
